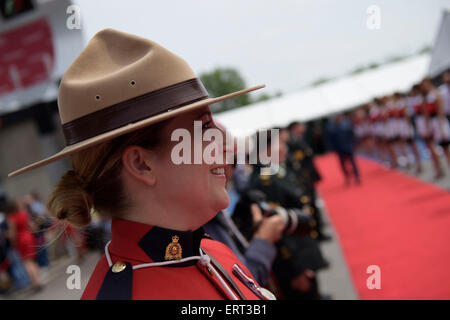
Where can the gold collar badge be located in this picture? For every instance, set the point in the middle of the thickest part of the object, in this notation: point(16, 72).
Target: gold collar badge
point(173, 250)
point(298, 155)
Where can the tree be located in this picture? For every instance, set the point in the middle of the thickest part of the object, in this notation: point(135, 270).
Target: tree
point(319, 82)
point(222, 81)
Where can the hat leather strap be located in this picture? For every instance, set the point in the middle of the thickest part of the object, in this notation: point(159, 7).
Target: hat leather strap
point(133, 110)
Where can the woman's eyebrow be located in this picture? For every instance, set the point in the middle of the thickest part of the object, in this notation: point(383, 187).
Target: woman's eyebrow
point(204, 113)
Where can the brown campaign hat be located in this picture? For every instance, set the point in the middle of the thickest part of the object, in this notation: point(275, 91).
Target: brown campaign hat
point(120, 83)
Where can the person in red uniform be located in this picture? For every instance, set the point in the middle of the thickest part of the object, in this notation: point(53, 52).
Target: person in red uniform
point(132, 113)
point(430, 114)
point(405, 131)
point(390, 135)
point(23, 240)
point(440, 126)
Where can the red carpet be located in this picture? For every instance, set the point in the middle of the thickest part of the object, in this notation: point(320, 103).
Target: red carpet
point(394, 221)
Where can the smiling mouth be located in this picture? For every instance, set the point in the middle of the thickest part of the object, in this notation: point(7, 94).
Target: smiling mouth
point(218, 171)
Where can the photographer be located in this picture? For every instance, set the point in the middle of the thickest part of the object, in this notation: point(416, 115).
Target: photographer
point(298, 254)
point(300, 161)
point(258, 254)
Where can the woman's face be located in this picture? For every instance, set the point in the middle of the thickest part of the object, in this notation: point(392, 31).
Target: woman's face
point(284, 135)
point(279, 148)
point(426, 86)
point(282, 151)
point(196, 190)
point(446, 77)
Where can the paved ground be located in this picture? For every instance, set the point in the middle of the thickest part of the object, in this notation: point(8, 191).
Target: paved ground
point(334, 281)
point(56, 280)
point(428, 174)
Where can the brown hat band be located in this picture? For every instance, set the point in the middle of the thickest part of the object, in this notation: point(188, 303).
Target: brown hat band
point(133, 110)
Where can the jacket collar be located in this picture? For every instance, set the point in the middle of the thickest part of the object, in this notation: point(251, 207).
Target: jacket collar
point(146, 243)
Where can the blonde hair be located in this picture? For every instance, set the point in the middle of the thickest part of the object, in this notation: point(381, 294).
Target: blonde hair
point(94, 183)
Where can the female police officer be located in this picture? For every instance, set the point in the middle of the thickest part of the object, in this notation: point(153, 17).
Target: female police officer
point(119, 102)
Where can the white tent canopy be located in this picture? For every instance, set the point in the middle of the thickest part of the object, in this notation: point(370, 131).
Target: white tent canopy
point(440, 58)
point(330, 97)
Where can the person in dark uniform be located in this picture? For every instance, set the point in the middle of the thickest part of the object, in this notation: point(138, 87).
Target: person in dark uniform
point(121, 103)
point(341, 139)
point(301, 161)
point(257, 253)
point(299, 255)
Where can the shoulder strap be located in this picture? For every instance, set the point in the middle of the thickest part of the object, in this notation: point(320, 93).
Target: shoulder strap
point(225, 274)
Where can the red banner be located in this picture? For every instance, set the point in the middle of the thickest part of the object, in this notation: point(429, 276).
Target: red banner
point(26, 56)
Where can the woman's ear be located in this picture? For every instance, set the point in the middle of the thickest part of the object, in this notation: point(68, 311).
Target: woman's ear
point(137, 163)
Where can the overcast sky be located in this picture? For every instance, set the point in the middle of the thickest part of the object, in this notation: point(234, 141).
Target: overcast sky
point(286, 44)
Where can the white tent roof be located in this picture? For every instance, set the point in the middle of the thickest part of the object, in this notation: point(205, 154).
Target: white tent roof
point(330, 97)
point(440, 58)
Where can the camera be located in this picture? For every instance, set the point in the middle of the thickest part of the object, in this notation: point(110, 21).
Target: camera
point(296, 221)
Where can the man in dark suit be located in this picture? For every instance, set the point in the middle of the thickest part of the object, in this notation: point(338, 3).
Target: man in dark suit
point(341, 139)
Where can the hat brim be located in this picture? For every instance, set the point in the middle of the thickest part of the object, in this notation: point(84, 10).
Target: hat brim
point(128, 128)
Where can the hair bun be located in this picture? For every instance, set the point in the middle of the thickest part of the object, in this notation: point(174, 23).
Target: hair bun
point(70, 200)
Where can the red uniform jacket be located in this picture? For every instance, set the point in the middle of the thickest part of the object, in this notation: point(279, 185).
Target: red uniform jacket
point(135, 244)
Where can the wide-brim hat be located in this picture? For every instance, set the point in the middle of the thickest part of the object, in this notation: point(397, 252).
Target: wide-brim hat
point(120, 83)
